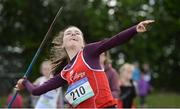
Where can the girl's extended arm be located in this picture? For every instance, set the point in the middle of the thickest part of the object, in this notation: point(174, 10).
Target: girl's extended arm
point(51, 84)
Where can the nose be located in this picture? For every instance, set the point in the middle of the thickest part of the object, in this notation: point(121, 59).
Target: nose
point(73, 34)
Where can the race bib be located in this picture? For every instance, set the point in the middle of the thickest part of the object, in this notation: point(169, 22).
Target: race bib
point(79, 92)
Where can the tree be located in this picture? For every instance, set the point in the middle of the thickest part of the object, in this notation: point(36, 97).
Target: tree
point(24, 23)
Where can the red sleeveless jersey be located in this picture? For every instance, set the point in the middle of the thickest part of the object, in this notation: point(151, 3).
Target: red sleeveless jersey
point(97, 80)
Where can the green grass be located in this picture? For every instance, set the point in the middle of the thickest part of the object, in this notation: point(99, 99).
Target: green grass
point(156, 99)
point(161, 100)
point(2, 101)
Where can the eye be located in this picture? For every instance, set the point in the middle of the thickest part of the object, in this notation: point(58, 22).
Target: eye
point(68, 33)
point(77, 33)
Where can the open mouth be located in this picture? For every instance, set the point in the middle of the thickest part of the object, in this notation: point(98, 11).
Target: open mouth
point(74, 39)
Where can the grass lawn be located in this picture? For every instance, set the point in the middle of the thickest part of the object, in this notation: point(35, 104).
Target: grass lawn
point(2, 101)
point(156, 99)
point(162, 100)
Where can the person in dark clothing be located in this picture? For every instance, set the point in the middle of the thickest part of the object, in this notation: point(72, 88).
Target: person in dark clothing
point(127, 88)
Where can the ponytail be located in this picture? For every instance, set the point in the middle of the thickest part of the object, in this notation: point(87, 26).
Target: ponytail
point(58, 55)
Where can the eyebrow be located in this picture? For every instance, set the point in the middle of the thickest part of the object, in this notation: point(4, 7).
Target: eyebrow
point(77, 31)
point(71, 31)
point(68, 31)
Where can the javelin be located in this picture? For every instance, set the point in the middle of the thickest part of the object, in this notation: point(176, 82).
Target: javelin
point(28, 71)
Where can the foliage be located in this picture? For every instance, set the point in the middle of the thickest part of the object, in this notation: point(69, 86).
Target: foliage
point(24, 23)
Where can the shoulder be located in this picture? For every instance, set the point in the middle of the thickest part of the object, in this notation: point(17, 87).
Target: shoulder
point(112, 70)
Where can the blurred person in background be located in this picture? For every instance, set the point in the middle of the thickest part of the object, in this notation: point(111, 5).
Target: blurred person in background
point(111, 73)
point(128, 92)
point(136, 74)
point(147, 73)
point(49, 99)
point(143, 89)
point(18, 102)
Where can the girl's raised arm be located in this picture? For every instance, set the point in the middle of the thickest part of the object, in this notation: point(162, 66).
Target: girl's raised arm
point(99, 47)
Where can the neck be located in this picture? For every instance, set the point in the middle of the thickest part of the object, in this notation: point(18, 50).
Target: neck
point(102, 65)
point(72, 52)
point(48, 76)
point(125, 82)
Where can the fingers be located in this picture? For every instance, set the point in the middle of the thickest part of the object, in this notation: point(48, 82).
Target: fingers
point(16, 88)
point(141, 28)
point(20, 81)
point(148, 21)
point(19, 85)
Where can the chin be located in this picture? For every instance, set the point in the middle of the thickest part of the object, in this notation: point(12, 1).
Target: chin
point(73, 45)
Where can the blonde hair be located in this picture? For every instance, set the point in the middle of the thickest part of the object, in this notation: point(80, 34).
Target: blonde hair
point(124, 68)
point(58, 54)
point(108, 59)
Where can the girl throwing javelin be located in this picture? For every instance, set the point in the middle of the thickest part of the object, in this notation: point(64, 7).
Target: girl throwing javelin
point(87, 81)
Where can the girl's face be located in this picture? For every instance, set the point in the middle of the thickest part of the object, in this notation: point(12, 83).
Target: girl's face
point(73, 37)
point(127, 73)
point(46, 69)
